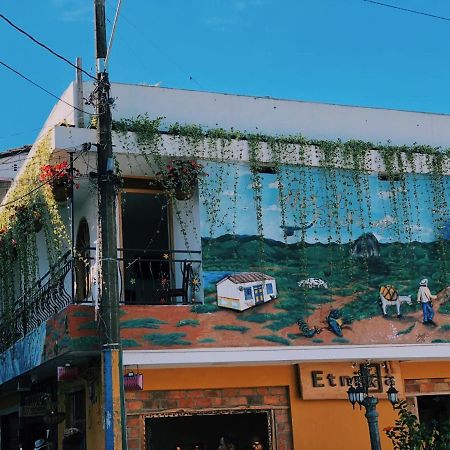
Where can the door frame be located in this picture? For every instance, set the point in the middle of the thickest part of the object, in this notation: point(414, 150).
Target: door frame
point(270, 419)
point(149, 191)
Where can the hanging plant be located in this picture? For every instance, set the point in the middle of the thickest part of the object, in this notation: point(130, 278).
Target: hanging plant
point(29, 205)
point(180, 177)
point(59, 177)
point(30, 217)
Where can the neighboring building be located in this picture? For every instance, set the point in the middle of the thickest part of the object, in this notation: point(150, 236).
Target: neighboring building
point(329, 207)
point(10, 163)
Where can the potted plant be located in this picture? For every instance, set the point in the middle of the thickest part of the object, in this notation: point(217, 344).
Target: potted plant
point(60, 179)
point(180, 177)
point(409, 433)
point(29, 217)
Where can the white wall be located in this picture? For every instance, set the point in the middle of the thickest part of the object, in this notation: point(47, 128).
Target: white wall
point(273, 116)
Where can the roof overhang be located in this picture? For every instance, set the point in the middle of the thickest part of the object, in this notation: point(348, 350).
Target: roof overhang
point(236, 356)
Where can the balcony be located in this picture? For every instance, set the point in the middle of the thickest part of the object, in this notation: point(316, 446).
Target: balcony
point(159, 277)
point(146, 277)
point(34, 307)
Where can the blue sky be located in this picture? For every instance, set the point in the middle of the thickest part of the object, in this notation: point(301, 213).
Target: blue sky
point(336, 51)
point(387, 220)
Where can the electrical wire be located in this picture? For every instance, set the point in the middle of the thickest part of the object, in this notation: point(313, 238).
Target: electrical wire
point(19, 133)
point(434, 16)
point(161, 49)
point(39, 186)
point(43, 89)
point(35, 129)
point(45, 46)
point(113, 32)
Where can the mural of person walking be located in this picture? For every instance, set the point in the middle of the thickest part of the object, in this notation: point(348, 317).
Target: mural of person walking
point(425, 297)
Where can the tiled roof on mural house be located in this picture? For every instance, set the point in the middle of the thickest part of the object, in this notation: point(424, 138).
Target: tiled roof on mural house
point(246, 277)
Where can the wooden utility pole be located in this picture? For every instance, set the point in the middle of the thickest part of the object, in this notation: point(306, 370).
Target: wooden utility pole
point(113, 401)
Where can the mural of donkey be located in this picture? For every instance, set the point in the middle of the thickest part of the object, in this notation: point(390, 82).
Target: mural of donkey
point(389, 297)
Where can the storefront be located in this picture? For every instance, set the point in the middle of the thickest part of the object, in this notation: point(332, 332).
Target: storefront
point(301, 406)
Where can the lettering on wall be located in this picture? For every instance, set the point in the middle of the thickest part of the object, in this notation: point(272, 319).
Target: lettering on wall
point(331, 381)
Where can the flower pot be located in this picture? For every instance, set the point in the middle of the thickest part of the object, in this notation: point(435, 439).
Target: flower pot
point(37, 225)
point(184, 194)
point(60, 192)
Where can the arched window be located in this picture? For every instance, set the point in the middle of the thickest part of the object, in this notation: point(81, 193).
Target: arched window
point(82, 262)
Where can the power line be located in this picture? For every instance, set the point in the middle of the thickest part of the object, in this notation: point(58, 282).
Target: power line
point(19, 133)
point(34, 129)
point(44, 46)
point(113, 32)
point(39, 186)
point(434, 16)
point(173, 61)
point(42, 88)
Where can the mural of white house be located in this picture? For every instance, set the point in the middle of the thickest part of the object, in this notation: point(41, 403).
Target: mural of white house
point(244, 290)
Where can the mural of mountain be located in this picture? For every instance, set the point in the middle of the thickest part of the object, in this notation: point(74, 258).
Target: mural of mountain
point(366, 246)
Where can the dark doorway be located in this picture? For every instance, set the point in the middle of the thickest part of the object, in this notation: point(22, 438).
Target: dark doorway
point(34, 428)
point(76, 412)
point(206, 431)
point(82, 262)
point(9, 432)
point(434, 410)
point(146, 243)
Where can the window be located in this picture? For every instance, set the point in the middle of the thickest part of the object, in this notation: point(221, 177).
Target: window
point(269, 288)
point(434, 410)
point(248, 293)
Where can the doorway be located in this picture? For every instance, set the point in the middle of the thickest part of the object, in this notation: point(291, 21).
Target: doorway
point(9, 432)
point(209, 431)
point(145, 245)
point(82, 262)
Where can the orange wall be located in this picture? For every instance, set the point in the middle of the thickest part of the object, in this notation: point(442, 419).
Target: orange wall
point(417, 370)
point(317, 424)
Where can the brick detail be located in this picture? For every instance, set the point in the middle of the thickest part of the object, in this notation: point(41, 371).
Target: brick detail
point(427, 385)
point(141, 403)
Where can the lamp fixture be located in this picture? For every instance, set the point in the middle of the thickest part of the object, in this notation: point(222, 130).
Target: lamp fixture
point(359, 392)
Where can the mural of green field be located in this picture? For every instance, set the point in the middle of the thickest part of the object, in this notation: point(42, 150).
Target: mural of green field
point(355, 279)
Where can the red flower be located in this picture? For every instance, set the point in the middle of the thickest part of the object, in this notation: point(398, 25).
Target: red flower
point(58, 173)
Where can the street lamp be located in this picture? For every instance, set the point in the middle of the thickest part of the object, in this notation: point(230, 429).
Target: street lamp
point(358, 392)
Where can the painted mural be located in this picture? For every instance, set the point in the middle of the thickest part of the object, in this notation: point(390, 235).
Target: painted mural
point(303, 256)
point(357, 257)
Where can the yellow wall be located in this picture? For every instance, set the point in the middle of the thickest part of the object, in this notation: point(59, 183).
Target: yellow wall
point(317, 424)
point(417, 370)
point(94, 428)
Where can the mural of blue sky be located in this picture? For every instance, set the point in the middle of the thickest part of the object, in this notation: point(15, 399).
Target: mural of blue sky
point(319, 205)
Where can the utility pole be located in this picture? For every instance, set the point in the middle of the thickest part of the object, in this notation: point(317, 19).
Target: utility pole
point(113, 399)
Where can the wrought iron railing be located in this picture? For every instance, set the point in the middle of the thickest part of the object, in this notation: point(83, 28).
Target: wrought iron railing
point(38, 304)
point(159, 276)
point(147, 277)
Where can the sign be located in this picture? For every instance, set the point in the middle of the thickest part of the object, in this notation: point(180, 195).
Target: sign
point(332, 380)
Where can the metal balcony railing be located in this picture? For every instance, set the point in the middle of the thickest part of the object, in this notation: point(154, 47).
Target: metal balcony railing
point(146, 277)
point(159, 277)
point(37, 305)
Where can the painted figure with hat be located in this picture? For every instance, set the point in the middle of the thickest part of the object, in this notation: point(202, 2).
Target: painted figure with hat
point(40, 444)
point(424, 296)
